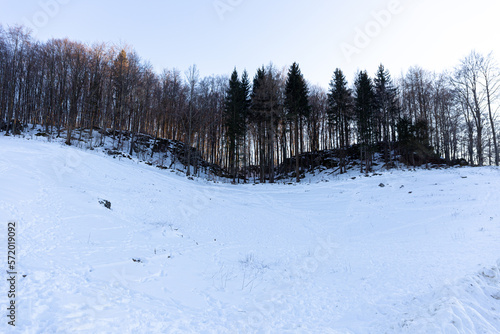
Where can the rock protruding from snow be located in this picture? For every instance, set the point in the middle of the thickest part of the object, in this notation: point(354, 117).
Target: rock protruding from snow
point(105, 203)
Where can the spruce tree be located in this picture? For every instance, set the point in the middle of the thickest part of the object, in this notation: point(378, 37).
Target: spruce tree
point(264, 114)
point(364, 104)
point(234, 119)
point(245, 110)
point(340, 112)
point(386, 109)
point(297, 107)
point(258, 117)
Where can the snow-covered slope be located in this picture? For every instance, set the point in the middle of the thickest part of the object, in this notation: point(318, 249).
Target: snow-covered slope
point(180, 256)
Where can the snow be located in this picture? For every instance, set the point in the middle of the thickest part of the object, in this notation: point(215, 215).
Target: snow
point(334, 254)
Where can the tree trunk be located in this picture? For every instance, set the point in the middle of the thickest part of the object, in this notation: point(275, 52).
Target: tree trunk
point(297, 157)
point(492, 123)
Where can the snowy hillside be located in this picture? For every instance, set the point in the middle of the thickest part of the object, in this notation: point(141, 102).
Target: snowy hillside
point(404, 251)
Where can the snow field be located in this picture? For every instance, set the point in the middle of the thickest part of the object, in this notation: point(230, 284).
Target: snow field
point(331, 255)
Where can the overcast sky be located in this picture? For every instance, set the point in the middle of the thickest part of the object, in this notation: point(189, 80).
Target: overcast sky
point(218, 35)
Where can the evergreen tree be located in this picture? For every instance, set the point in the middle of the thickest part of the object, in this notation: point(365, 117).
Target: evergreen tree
point(364, 104)
point(406, 139)
point(246, 104)
point(413, 142)
point(265, 111)
point(235, 103)
point(386, 109)
point(246, 91)
point(297, 107)
point(339, 112)
point(258, 116)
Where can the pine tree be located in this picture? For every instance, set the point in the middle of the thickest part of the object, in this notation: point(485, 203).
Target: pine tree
point(413, 143)
point(297, 107)
point(406, 139)
point(386, 109)
point(246, 104)
point(258, 116)
point(364, 104)
point(235, 103)
point(264, 113)
point(340, 112)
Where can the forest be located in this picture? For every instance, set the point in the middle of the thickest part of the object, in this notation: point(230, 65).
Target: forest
point(245, 124)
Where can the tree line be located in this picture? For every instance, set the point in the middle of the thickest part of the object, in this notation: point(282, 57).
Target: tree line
point(250, 126)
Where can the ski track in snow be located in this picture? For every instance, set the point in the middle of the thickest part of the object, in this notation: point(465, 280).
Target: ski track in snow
point(418, 255)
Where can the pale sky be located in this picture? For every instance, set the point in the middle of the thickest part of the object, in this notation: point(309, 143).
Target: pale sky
point(218, 35)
